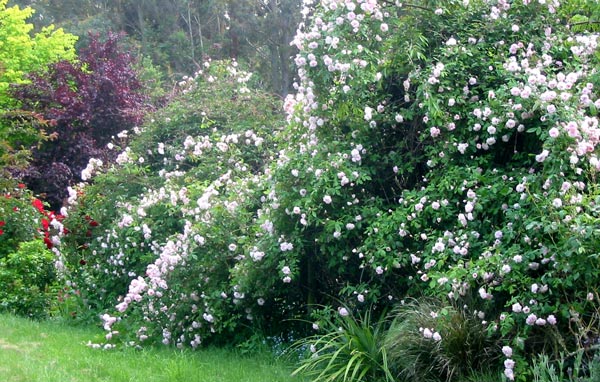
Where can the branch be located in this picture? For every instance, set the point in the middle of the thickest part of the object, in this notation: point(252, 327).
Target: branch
point(389, 2)
point(585, 22)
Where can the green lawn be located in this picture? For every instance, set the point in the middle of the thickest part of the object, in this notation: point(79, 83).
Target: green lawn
point(54, 352)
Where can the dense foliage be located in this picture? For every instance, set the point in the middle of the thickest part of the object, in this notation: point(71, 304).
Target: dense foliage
point(439, 161)
point(87, 103)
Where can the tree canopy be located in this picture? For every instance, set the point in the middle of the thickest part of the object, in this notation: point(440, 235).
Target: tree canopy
point(22, 51)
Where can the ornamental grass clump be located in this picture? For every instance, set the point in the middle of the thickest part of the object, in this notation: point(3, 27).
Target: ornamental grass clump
point(429, 341)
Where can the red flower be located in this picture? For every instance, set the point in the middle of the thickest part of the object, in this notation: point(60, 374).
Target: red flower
point(82, 262)
point(94, 223)
point(21, 185)
point(38, 205)
point(48, 242)
point(45, 224)
point(1, 232)
point(2, 223)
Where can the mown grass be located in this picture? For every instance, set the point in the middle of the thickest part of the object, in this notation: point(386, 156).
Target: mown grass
point(54, 352)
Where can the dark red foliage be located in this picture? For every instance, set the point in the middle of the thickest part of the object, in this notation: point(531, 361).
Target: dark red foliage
point(87, 103)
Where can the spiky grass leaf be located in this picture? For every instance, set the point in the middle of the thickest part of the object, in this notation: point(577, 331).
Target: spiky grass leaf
point(351, 351)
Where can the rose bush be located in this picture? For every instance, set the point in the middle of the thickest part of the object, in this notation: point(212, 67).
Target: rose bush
point(29, 266)
point(162, 230)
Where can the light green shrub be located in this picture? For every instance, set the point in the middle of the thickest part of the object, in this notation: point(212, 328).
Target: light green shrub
point(27, 280)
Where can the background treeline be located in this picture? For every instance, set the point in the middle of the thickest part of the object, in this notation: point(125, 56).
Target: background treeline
point(177, 35)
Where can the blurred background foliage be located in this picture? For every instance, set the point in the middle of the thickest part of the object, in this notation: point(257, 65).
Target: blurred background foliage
point(178, 35)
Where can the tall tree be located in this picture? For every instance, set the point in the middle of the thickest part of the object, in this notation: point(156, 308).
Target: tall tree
point(22, 51)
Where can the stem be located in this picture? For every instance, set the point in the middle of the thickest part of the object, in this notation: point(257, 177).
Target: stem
point(585, 22)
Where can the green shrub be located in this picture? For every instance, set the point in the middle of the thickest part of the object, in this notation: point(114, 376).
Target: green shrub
point(27, 278)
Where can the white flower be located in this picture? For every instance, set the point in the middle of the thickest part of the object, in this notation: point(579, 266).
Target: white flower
point(285, 246)
point(368, 113)
point(343, 312)
point(427, 333)
point(507, 350)
point(451, 41)
point(542, 156)
point(540, 322)
point(327, 199)
point(517, 308)
point(531, 319)
point(484, 294)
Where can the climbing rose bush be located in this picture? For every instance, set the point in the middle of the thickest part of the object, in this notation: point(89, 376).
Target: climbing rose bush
point(426, 153)
point(449, 157)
